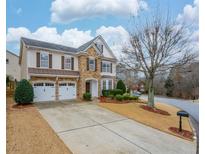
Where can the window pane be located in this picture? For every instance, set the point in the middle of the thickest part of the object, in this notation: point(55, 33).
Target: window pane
point(91, 64)
point(44, 60)
point(110, 84)
point(104, 84)
point(67, 62)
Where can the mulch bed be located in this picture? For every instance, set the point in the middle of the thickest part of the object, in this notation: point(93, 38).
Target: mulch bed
point(184, 133)
point(109, 100)
point(22, 106)
point(155, 110)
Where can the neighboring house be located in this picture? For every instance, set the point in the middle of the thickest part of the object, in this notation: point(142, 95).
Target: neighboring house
point(12, 66)
point(59, 72)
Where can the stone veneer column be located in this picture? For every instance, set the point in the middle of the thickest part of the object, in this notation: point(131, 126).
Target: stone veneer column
point(57, 89)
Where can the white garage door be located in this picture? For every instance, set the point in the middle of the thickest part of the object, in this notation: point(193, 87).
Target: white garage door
point(67, 90)
point(44, 91)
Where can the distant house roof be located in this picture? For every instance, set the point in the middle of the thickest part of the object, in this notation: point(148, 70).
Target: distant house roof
point(42, 44)
point(12, 53)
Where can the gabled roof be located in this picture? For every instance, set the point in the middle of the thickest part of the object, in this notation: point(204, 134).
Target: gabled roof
point(42, 44)
point(86, 45)
point(62, 48)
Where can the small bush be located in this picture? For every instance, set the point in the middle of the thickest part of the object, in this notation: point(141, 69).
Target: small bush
point(121, 85)
point(106, 93)
point(87, 96)
point(111, 96)
point(128, 90)
point(134, 98)
point(116, 92)
point(119, 97)
point(24, 92)
point(126, 96)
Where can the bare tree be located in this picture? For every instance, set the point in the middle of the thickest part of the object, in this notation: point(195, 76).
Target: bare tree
point(156, 46)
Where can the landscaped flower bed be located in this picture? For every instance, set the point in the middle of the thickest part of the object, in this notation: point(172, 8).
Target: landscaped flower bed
point(185, 133)
point(155, 110)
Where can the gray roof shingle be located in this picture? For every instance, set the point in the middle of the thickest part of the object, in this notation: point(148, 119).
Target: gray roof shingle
point(42, 44)
point(87, 44)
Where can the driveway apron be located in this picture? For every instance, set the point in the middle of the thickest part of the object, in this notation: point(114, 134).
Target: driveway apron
point(89, 129)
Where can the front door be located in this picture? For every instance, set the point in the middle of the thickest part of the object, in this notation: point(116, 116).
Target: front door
point(87, 87)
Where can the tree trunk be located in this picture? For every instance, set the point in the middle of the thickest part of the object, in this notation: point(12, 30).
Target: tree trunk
point(151, 93)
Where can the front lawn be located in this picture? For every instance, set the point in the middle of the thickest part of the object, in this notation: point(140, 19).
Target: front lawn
point(155, 120)
point(28, 133)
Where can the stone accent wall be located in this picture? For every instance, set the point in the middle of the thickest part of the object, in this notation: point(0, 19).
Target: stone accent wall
point(86, 74)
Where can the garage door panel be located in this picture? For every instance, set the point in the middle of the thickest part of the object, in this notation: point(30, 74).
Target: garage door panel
point(67, 90)
point(44, 91)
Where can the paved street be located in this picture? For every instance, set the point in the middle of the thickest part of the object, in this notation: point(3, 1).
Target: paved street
point(187, 105)
point(89, 129)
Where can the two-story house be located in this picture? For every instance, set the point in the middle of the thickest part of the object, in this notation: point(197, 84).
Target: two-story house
point(59, 72)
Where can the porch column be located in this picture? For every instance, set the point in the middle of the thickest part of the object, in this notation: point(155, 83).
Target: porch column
point(57, 89)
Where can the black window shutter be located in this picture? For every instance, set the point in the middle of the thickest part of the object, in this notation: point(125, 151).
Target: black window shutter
point(50, 60)
point(110, 67)
point(37, 59)
point(96, 64)
point(101, 66)
point(62, 62)
point(87, 63)
point(72, 63)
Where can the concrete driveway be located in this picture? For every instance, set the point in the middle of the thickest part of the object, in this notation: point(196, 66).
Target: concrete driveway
point(89, 129)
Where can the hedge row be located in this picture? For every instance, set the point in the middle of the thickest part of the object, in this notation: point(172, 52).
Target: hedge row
point(113, 92)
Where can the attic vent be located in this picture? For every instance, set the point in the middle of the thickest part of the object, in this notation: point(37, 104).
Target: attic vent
point(100, 47)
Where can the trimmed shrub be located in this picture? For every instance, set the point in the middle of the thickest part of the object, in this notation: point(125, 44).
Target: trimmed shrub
point(111, 96)
point(87, 96)
point(106, 93)
point(134, 97)
point(128, 90)
point(121, 85)
point(116, 92)
point(119, 97)
point(24, 92)
point(126, 96)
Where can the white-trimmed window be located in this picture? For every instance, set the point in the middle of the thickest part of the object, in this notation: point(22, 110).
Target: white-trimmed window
point(109, 84)
point(104, 84)
point(91, 64)
point(44, 59)
point(67, 63)
point(106, 67)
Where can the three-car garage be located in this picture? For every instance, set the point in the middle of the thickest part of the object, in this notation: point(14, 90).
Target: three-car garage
point(47, 90)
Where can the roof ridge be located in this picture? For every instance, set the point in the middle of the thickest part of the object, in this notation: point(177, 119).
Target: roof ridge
point(47, 42)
